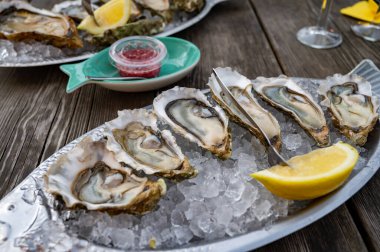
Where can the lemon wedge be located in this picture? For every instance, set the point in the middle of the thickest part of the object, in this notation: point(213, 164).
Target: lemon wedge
point(314, 174)
point(113, 14)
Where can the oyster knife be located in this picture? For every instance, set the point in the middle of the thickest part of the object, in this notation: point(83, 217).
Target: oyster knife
point(274, 157)
point(88, 7)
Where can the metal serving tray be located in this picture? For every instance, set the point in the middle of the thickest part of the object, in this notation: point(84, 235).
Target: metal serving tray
point(24, 209)
point(174, 27)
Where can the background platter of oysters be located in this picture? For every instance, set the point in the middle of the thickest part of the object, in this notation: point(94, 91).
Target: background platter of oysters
point(178, 173)
point(42, 31)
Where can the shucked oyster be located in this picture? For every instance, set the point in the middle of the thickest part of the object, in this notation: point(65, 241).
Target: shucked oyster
point(89, 176)
point(353, 108)
point(241, 88)
point(20, 21)
point(285, 94)
point(73, 9)
point(191, 115)
point(136, 141)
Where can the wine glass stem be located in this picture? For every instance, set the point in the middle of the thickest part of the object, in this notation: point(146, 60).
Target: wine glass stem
point(324, 15)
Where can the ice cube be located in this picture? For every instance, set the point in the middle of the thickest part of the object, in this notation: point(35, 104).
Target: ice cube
point(177, 218)
point(183, 234)
point(122, 238)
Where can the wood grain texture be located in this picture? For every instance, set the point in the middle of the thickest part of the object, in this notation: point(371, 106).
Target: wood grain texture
point(282, 19)
point(256, 37)
point(298, 60)
point(335, 232)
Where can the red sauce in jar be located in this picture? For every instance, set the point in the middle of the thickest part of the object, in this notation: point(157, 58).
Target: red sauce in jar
point(139, 56)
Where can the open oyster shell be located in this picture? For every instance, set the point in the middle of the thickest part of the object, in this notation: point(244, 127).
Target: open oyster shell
point(19, 21)
point(351, 104)
point(191, 115)
point(89, 176)
point(136, 141)
point(283, 93)
point(73, 9)
point(241, 88)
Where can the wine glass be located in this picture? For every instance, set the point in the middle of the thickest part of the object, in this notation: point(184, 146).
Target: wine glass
point(320, 36)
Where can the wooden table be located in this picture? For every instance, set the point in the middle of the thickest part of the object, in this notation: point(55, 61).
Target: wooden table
point(257, 37)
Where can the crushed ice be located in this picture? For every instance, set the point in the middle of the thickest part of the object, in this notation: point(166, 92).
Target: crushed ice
point(221, 201)
point(30, 52)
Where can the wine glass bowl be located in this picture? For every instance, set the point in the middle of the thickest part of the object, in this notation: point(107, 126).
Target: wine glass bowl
point(320, 36)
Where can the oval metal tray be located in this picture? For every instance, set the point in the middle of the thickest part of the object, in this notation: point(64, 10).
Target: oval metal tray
point(22, 217)
point(169, 30)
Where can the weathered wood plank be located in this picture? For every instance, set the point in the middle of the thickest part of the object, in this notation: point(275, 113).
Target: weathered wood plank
point(283, 19)
point(335, 232)
point(40, 96)
point(365, 208)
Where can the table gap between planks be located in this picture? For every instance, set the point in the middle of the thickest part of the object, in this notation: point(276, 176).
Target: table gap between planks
point(257, 37)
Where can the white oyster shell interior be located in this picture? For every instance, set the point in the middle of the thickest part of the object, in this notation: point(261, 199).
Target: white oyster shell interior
point(241, 88)
point(350, 99)
point(136, 140)
point(89, 175)
point(191, 115)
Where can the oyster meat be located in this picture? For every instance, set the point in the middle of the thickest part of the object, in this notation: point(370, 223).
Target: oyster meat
point(191, 115)
point(351, 104)
point(241, 89)
point(19, 21)
point(283, 93)
point(89, 176)
point(136, 141)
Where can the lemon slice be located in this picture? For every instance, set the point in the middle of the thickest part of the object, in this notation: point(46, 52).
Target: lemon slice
point(113, 14)
point(313, 175)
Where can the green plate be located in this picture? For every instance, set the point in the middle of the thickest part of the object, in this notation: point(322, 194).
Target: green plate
point(182, 57)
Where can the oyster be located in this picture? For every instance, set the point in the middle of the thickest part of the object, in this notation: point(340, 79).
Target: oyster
point(353, 108)
point(136, 141)
point(188, 5)
point(19, 21)
point(158, 7)
point(241, 89)
point(73, 9)
point(89, 176)
point(191, 115)
point(283, 93)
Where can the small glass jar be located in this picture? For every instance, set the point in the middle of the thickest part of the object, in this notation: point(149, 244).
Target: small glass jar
point(138, 56)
